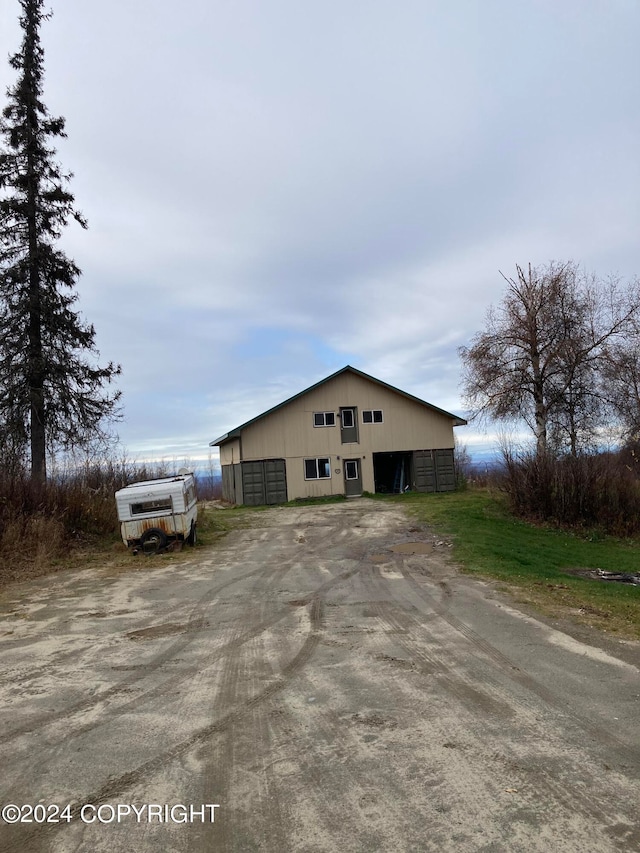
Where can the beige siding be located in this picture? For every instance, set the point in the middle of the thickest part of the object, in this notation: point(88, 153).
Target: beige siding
point(289, 432)
point(298, 487)
point(230, 452)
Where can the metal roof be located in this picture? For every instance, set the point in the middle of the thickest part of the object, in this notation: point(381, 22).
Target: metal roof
point(235, 433)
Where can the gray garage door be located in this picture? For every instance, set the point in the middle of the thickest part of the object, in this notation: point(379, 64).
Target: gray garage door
point(434, 471)
point(264, 482)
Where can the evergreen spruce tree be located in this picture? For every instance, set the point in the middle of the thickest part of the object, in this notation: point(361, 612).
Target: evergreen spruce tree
point(52, 393)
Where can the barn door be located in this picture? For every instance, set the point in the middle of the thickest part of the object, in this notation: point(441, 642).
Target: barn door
point(264, 482)
point(275, 476)
point(434, 471)
point(253, 485)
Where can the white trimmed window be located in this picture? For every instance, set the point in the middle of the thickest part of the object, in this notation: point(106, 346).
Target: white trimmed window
point(351, 469)
point(323, 419)
point(372, 416)
point(347, 418)
point(317, 469)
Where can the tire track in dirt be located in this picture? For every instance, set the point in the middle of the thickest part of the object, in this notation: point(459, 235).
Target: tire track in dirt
point(296, 745)
point(411, 634)
point(507, 666)
point(319, 759)
point(195, 624)
point(192, 621)
point(348, 785)
point(124, 782)
point(547, 793)
point(237, 669)
point(124, 686)
point(572, 798)
point(557, 789)
point(168, 685)
point(112, 712)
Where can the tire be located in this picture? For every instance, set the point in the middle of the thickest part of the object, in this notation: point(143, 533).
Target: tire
point(192, 538)
point(153, 540)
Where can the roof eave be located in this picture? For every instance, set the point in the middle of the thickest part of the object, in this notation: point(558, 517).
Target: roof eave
point(228, 436)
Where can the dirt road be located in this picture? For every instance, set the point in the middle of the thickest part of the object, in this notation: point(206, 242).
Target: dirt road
point(330, 682)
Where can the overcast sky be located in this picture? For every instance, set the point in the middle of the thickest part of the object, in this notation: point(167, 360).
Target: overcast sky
point(278, 188)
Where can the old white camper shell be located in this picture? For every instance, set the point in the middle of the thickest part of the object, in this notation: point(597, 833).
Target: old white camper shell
point(154, 512)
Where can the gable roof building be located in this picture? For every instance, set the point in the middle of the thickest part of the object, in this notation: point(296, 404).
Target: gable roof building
point(346, 434)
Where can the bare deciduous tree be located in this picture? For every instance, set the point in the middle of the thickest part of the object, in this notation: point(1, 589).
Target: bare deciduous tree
point(544, 350)
point(621, 386)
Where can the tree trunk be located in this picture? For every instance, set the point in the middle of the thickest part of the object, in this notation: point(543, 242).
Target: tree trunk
point(36, 360)
point(540, 411)
point(36, 380)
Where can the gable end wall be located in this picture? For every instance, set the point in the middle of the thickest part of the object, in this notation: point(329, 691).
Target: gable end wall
point(288, 433)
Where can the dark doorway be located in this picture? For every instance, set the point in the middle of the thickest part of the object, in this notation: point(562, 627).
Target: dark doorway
point(392, 472)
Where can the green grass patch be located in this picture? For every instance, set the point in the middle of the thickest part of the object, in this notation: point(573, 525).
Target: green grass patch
point(325, 499)
point(535, 561)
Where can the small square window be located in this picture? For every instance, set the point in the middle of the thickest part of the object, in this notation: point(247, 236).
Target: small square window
point(372, 416)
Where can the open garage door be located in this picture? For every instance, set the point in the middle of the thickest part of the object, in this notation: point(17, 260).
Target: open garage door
point(392, 472)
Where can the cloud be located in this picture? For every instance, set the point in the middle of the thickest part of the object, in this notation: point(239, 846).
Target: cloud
point(275, 190)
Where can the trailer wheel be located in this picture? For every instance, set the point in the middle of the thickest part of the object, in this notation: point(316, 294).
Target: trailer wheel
point(153, 540)
point(193, 536)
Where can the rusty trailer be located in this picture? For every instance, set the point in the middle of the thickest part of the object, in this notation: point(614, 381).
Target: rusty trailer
point(154, 513)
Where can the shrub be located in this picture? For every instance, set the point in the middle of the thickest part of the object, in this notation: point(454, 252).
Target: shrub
point(41, 524)
point(591, 490)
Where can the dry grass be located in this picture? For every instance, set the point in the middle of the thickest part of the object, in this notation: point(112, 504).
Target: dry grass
point(60, 525)
point(29, 545)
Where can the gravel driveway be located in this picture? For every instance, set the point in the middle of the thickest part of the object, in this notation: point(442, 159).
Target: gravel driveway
point(328, 682)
